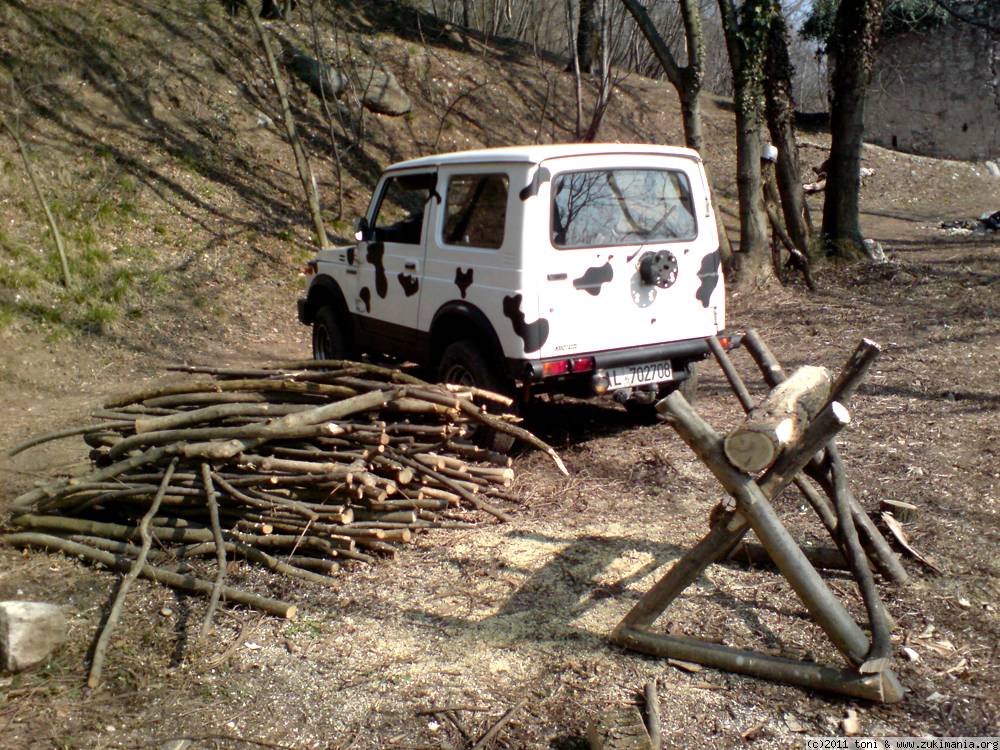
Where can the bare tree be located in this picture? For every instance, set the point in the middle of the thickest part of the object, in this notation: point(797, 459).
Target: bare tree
point(686, 79)
point(851, 49)
point(49, 217)
point(780, 110)
point(301, 161)
point(587, 35)
point(746, 32)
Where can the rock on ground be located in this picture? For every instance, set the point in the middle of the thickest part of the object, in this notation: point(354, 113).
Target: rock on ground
point(29, 633)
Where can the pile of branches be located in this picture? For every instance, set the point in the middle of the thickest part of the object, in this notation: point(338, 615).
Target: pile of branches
point(296, 467)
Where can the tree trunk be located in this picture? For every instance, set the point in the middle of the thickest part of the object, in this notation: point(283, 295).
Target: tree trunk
point(309, 186)
point(586, 35)
point(746, 39)
point(687, 81)
point(691, 115)
point(852, 50)
point(780, 110)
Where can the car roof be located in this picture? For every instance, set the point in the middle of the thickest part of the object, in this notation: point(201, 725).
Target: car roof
point(536, 154)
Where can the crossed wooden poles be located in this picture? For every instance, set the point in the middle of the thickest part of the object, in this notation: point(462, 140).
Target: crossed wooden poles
point(858, 542)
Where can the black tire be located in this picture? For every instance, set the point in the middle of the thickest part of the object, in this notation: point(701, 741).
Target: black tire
point(689, 386)
point(464, 363)
point(645, 413)
point(329, 338)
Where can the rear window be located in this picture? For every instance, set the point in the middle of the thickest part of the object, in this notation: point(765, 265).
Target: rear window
point(476, 210)
point(621, 207)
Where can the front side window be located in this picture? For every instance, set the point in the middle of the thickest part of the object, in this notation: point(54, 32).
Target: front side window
point(400, 215)
point(607, 207)
point(476, 210)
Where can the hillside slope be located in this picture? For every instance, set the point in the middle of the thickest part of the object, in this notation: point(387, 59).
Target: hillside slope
point(153, 126)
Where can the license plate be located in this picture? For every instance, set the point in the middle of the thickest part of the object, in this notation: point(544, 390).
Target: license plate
point(644, 374)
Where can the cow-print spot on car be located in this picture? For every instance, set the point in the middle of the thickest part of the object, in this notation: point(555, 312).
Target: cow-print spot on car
point(409, 283)
point(375, 255)
point(709, 275)
point(366, 297)
point(463, 280)
point(594, 278)
point(533, 334)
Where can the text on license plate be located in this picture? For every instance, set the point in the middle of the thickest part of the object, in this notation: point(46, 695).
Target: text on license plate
point(633, 375)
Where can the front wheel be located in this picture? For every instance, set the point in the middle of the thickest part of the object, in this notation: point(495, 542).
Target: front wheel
point(329, 337)
point(464, 363)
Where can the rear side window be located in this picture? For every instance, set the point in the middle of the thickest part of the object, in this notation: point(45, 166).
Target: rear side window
point(621, 207)
point(476, 210)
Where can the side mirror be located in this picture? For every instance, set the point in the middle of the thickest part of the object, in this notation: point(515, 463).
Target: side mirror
point(362, 232)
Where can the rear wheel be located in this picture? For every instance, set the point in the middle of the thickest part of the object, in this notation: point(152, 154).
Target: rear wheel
point(644, 412)
point(464, 363)
point(329, 337)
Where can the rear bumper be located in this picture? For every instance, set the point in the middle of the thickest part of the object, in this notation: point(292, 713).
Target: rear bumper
point(678, 352)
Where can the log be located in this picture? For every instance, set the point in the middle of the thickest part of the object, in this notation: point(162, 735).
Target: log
point(653, 715)
point(902, 512)
point(175, 580)
point(249, 433)
point(455, 487)
point(778, 419)
point(874, 543)
point(618, 728)
point(216, 412)
point(217, 386)
point(54, 491)
point(170, 534)
point(220, 549)
point(71, 432)
point(100, 648)
point(828, 558)
point(877, 659)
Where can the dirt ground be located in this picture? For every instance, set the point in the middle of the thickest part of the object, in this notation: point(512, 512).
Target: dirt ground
point(504, 615)
point(482, 619)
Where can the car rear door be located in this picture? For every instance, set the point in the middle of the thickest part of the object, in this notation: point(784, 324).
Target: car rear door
point(632, 254)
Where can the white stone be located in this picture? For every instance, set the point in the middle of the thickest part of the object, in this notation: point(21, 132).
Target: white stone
point(875, 251)
point(29, 633)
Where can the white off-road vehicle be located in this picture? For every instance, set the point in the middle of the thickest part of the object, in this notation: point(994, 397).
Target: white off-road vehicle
point(580, 269)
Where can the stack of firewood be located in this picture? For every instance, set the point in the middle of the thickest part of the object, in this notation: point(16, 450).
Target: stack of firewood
point(297, 467)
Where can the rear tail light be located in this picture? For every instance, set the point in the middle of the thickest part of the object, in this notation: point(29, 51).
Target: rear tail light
point(567, 366)
point(310, 268)
point(551, 369)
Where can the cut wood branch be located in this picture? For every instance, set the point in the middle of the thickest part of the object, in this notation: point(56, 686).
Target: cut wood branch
point(308, 461)
point(220, 548)
point(49, 217)
point(778, 419)
point(174, 580)
point(100, 649)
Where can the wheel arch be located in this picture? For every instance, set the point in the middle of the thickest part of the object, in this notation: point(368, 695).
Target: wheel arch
point(324, 290)
point(457, 320)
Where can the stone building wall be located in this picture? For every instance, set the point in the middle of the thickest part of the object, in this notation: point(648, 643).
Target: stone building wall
point(937, 93)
